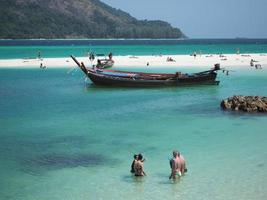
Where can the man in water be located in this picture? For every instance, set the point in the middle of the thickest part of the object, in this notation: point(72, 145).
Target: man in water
point(139, 166)
point(177, 165)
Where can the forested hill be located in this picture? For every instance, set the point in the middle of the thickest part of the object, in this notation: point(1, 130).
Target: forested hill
point(75, 19)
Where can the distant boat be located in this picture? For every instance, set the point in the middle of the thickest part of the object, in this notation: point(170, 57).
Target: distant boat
point(104, 63)
point(138, 79)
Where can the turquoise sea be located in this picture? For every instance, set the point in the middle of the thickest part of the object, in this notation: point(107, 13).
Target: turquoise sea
point(62, 138)
point(64, 48)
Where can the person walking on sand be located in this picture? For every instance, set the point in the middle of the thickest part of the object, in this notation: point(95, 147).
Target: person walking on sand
point(139, 166)
point(177, 163)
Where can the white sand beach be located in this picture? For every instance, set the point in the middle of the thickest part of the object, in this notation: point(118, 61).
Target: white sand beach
point(228, 61)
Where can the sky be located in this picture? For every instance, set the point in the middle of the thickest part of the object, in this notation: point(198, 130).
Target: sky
point(203, 18)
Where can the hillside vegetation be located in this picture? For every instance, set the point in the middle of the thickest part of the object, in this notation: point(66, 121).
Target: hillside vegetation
point(75, 19)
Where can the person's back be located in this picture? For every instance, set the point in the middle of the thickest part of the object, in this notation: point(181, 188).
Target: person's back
point(175, 168)
point(132, 166)
point(139, 167)
point(181, 163)
point(177, 165)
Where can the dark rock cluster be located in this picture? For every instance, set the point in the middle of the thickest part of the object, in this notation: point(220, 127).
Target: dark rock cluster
point(245, 103)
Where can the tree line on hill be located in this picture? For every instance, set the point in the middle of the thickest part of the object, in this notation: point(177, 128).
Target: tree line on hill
point(24, 19)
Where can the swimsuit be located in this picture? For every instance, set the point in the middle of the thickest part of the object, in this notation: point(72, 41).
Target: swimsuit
point(178, 173)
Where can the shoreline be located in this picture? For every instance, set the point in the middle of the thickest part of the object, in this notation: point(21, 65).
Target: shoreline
point(229, 61)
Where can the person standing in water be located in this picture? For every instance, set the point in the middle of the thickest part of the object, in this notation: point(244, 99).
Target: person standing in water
point(139, 166)
point(135, 160)
point(177, 163)
point(39, 55)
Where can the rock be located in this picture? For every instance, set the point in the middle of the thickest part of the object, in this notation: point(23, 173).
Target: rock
point(245, 103)
point(225, 104)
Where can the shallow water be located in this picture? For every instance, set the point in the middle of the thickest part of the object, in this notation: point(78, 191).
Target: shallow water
point(62, 138)
point(63, 48)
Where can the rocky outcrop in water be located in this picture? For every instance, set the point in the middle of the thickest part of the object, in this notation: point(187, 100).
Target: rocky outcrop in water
point(245, 103)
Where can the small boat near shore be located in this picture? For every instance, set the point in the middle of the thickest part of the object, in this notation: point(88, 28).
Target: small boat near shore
point(139, 79)
point(104, 63)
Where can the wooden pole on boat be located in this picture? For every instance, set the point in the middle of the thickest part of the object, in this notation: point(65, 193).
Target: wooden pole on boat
point(83, 68)
point(80, 65)
point(75, 60)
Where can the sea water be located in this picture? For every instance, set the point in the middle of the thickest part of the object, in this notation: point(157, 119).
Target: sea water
point(61, 137)
point(65, 48)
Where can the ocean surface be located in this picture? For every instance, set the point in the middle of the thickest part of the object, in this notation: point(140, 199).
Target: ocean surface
point(63, 138)
point(64, 48)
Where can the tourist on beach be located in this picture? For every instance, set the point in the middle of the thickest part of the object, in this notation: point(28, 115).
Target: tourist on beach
point(195, 54)
point(177, 164)
point(139, 166)
point(42, 66)
point(251, 62)
point(170, 59)
point(91, 56)
point(258, 66)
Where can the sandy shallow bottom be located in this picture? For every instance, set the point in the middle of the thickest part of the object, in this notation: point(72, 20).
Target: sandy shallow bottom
point(228, 61)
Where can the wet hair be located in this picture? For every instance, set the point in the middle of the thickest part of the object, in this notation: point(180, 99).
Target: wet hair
point(140, 156)
point(176, 153)
point(135, 156)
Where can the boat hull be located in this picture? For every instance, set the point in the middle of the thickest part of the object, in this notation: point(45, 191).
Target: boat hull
point(138, 79)
point(100, 79)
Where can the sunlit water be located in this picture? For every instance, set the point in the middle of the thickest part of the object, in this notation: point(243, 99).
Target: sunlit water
point(64, 48)
point(62, 138)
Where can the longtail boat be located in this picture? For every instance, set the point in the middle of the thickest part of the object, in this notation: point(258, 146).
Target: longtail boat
point(104, 63)
point(139, 79)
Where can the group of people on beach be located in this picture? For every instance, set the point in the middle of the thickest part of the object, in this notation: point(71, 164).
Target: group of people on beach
point(177, 164)
point(170, 59)
point(257, 66)
point(39, 57)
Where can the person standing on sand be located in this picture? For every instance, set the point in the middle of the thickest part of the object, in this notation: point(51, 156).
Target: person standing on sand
point(195, 54)
point(178, 167)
